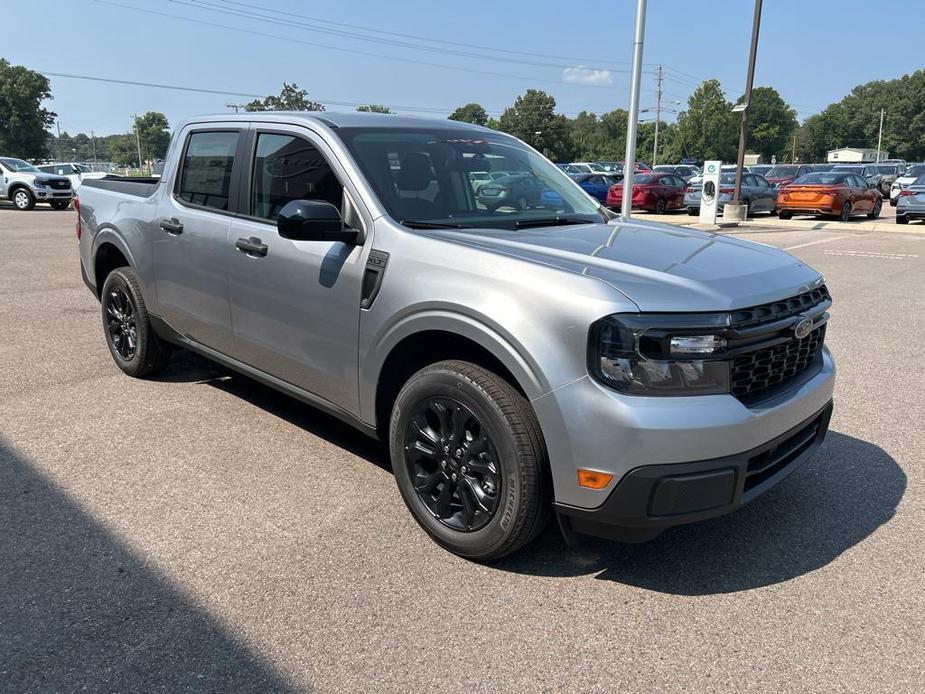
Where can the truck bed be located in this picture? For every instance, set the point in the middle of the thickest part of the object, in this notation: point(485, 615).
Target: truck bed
point(141, 187)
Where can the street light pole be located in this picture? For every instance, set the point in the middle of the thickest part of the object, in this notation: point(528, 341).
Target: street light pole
point(138, 141)
point(752, 54)
point(658, 112)
point(880, 136)
point(633, 118)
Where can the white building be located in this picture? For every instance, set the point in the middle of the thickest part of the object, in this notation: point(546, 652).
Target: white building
point(855, 155)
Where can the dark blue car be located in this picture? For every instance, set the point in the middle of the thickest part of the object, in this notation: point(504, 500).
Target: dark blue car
point(596, 185)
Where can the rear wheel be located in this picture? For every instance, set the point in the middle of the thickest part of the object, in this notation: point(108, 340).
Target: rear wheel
point(785, 214)
point(469, 460)
point(693, 211)
point(902, 220)
point(874, 213)
point(131, 340)
point(660, 206)
point(23, 199)
point(845, 212)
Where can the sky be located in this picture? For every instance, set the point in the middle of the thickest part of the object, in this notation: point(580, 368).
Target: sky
point(427, 58)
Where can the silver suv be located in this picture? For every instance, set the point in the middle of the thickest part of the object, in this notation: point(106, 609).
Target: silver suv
point(519, 360)
point(24, 185)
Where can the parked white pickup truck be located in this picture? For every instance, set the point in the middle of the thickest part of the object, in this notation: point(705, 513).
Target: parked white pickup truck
point(74, 171)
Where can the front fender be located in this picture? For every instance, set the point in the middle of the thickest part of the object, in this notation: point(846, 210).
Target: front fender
point(480, 329)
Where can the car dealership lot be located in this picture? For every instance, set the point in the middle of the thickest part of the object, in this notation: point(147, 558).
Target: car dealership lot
point(203, 532)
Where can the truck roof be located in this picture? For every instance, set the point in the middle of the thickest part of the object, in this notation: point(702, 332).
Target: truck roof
point(334, 119)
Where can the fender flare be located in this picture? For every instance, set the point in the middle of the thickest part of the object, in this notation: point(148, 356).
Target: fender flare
point(513, 355)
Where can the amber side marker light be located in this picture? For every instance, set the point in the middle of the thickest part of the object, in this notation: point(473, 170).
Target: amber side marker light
point(593, 480)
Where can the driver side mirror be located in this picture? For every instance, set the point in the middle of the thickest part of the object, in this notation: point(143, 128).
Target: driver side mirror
point(313, 220)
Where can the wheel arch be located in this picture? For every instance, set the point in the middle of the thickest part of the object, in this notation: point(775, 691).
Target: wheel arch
point(108, 254)
point(425, 339)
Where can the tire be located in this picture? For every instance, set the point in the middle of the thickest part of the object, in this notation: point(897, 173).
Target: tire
point(23, 199)
point(60, 204)
point(902, 220)
point(661, 205)
point(874, 213)
point(126, 326)
point(495, 420)
point(785, 214)
point(693, 211)
point(845, 212)
point(521, 204)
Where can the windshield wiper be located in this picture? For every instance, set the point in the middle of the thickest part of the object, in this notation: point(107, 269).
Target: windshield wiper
point(548, 222)
point(418, 224)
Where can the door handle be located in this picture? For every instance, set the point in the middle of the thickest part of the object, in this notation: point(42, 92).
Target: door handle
point(252, 246)
point(172, 226)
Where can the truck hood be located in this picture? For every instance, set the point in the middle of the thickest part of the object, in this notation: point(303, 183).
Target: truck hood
point(659, 267)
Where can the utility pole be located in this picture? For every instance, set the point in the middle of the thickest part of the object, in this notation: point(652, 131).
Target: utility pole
point(793, 154)
point(658, 111)
point(93, 142)
point(137, 139)
point(234, 106)
point(752, 54)
point(633, 118)
point(880, 136)
point(58, 126)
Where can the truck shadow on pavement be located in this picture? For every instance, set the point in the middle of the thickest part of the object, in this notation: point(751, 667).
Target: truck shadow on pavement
point(80, 611)
point(838, 498)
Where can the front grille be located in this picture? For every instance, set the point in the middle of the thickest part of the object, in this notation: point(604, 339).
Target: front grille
point(59, 183)
point(768, 463)
point(756, 371)
point(776, 310)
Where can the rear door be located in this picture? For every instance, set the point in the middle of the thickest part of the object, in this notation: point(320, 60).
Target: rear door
point(190, 242)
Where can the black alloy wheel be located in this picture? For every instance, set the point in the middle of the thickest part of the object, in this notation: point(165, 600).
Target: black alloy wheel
point(660, 206)
point(845, 212)
point(874, 213)
point(120, 322)
point(453, 464)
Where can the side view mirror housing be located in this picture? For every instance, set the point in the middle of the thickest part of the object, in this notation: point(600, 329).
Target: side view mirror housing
point(313, 220)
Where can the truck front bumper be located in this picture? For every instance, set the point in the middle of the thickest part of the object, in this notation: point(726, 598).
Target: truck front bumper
point(652, 498)
point(675, 460)
point(47, 194)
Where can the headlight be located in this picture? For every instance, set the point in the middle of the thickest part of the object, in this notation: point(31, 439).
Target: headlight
point(660, 354)
point(39, 184)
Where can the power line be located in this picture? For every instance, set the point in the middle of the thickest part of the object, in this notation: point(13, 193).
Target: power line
point(249, 13)
point(341, 48)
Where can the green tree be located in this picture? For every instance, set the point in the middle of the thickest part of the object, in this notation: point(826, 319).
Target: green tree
point(708, 127)
point(153, 132)
point(23, 121)
point(533, 119)
point(374, 108)
point(470, 113)
point(770, 124)
point(291, 98)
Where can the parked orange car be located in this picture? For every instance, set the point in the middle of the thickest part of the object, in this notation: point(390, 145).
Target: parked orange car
point(834, 193)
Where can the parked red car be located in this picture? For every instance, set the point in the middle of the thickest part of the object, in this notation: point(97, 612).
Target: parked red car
point(657, 192)
point(782, 174)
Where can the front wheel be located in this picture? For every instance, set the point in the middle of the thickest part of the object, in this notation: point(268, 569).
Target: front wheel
point(874, 213)
point(23, 199)
point(131, 340)
point(784, 214)
point(59, 204)
point(660, 206)
point(902, 220)
point(469, 460)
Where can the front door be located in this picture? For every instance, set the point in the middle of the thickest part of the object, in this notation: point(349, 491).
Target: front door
point(190, 238)
point(295, 305)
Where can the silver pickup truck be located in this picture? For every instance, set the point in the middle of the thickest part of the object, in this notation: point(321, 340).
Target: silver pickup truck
point(534, 357)
point(24, 185)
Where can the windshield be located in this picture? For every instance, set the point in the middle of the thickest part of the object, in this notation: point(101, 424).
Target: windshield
point(888, 169)
point(18, 165)
point(917, 170)
point(83, 168)
point(422, 176)
point(920, 181)
point(783, 171)
point(824, 178)
point(845, 167)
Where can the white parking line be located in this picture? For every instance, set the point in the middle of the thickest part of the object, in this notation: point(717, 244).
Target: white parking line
point(872, 254)
point(813, 243)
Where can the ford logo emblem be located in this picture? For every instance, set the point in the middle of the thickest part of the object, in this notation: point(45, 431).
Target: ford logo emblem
point(803, 328)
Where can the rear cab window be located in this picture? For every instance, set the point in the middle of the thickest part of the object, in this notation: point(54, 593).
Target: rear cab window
point(205, 174)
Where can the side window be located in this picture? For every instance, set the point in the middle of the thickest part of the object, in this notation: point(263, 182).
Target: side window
point(287, 167)
point(761, 182)
point(205, 173)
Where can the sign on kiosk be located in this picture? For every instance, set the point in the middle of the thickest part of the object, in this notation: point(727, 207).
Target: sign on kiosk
point(710, 192)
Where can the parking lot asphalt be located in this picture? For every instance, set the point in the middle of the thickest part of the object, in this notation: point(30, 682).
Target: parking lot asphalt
point(200, 532)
